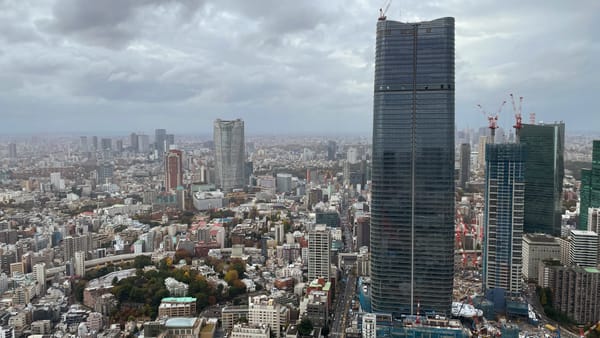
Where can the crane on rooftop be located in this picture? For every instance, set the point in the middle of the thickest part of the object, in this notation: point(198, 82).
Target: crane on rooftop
point(384, 10)
point(492, 120)
point(518, 117)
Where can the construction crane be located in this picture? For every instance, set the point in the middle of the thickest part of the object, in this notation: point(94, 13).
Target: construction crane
point(492, 120)
point(518, 117)
point(384, 10)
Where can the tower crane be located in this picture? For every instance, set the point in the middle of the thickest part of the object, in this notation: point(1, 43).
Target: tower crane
point(518, 117)
point(384, 10)
point(492, 120)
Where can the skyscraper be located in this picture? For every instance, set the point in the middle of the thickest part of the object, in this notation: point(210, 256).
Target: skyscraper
point(133, 142)
point(173, 169)
point(544, 173)
point(590, 187)
point(331, 150)
point(229, 154)
point(12, 150)
point(412, 214)
point(503, 221)
point(160, 136)
point(319, 259)
point(465, 164)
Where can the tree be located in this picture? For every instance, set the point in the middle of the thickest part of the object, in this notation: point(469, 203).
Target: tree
point(305, 327)
point(231, 276)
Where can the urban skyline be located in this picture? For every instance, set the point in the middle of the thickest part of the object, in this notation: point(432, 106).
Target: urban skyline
point(87, 74)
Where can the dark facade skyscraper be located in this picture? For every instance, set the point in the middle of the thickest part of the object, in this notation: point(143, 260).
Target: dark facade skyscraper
point(544, 173)
point(590, 187)
point(12, 150)
point(331, 150)
point(465, 165)
point(412, 214)
point(229, 154)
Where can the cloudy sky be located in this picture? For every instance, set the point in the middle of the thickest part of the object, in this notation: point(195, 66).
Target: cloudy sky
point(283, 66)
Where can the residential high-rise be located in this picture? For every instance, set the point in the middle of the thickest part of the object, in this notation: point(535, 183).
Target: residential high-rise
point(106, 143)
point(39, 273)
point(544, 173)
point(319, 247)
point(173, 169)
point(583, 250)
point(94, 143)
point(160, 136)
point(229, 154)
point(412, 214)
point(590, 187)
point(79, 263)
point(503, 221)
point(465, 164)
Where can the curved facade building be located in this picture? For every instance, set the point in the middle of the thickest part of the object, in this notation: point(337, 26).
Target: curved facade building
point(412, 214)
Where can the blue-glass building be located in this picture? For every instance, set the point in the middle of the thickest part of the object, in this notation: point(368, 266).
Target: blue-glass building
point(545, 171)
point(412, 214)
point(503, 222)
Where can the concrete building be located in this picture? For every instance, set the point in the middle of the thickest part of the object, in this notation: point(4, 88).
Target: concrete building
point(319, 256)
point(39, 273)
point(584, 248)
point(79, 263)
point(231, 314)
point(208, 200)
point(537, 248)
point(575, 292)
point(177, 307)
point(263, 310)
point(284, 183)
point(229, 154)
point(183, 327)
point(245, 331)
point(369, 325)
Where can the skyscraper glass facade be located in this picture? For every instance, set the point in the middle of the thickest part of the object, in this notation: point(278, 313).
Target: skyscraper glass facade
point(412, 214)
point(544, 173)
point(590, 187)
point(230, 154)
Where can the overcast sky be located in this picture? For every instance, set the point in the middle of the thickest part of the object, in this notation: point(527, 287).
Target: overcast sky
point(283, 66)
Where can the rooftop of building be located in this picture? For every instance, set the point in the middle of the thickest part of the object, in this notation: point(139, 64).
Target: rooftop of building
point(179, 299)
point(181, 322)
point(539, 238)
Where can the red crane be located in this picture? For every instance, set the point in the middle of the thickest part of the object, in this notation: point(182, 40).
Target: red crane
point(518, 117)
point(492, 120)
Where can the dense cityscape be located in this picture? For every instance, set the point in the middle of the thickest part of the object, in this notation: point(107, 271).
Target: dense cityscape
point(417, 227)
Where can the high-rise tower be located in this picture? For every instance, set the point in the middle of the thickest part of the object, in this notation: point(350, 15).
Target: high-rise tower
point(173, 169)
point(412, 214)
point(503, 221)
point(590, 187)
point(229, 154)
point(544, 173)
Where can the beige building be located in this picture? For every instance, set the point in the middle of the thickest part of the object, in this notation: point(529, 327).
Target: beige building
point(244, 331)
point(263, 310)
point(575, 292)
point(536, 248)
point(177, 307)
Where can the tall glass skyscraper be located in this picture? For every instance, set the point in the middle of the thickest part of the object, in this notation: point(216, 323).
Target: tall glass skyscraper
point(412, 214)
point(590, 187)
point(229, 154)
point(544, 173)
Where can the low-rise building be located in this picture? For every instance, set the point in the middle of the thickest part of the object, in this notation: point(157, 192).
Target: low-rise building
point(177, 307)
